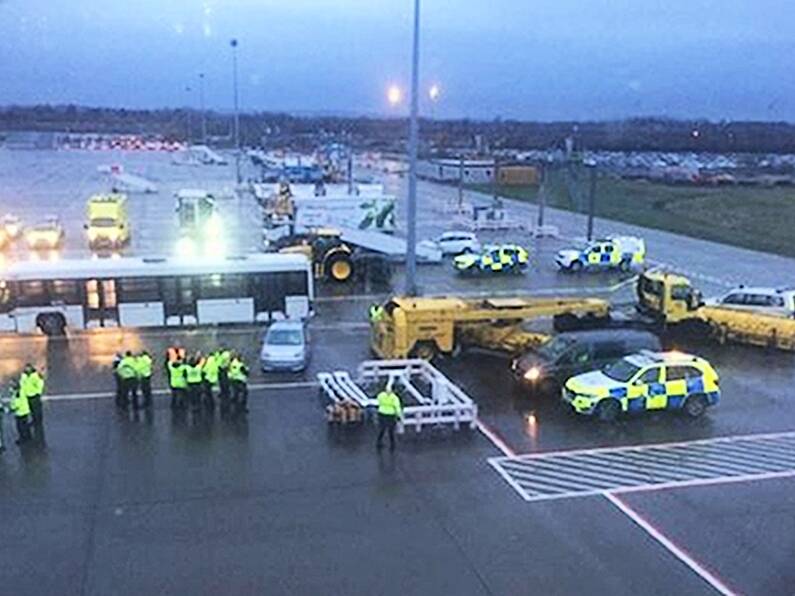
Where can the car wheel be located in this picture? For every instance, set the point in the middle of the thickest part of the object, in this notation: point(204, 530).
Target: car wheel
point(625, 266)
point(695, 406)
point(575, 267)
point(608, 410)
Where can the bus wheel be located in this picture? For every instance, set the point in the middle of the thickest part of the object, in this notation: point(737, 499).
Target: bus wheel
point(51, 324)
point(424, 350)
point(339, 268)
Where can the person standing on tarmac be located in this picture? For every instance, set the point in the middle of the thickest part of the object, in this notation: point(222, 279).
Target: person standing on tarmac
point(224, 360)
point(143, 369)
point(177, 382)
point(31, 385)
point(390, 410)
point(117, 379)
point(21, 408)
point(128, 373)
point(238, 377)
point(193, 375)
point(210, 373)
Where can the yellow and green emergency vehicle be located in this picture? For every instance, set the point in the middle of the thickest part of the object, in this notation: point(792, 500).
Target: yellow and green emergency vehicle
point(505, 258)
point(108, 225)
point(642, 382)
point(612, 252)
point(47, 235)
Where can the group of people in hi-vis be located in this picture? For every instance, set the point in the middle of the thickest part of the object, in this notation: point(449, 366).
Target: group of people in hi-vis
point(25, 402)
point(192, 379)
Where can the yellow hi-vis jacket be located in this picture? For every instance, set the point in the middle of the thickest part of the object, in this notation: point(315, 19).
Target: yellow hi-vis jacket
point(20, 405)
point(389, 404)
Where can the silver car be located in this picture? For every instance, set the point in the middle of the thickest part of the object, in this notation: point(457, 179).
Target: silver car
point(285, 347)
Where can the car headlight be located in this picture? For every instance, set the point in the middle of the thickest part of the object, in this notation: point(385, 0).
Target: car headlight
point(213, 227)
point(186, 247)
point(533, 374)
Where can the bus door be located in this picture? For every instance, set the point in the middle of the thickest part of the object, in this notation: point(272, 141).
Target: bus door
point(101, 306)
point(179, 300)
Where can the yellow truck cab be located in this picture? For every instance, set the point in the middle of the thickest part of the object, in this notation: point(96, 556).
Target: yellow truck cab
point(108, 226)
point(667, 296)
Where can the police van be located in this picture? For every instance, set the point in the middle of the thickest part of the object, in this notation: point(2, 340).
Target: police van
point(612, 252)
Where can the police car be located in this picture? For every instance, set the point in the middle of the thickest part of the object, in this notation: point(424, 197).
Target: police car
point(645, 381)
point(612, 252)
point(505, 258)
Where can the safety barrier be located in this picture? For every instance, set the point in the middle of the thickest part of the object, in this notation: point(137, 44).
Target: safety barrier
point(429, 398)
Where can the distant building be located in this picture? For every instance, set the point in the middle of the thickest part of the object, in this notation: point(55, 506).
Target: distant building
point(29, 140)
point(473, 171)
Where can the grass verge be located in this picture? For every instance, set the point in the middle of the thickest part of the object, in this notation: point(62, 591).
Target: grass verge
point(749, 216)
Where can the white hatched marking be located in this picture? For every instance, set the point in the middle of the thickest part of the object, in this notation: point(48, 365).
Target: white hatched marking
point(577, 473)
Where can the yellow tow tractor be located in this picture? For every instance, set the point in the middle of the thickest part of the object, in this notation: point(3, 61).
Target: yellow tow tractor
point(407, 327)
point(672, 301)
point(332, 258)
point(108, 226)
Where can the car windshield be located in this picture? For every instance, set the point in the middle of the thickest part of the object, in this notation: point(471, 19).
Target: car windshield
point(103, 222)
point(284, 337)
point(556, 347)
point(622, 371)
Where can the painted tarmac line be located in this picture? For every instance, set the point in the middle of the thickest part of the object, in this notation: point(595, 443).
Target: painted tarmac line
point(252, 387)
point(716, 583)
point(645, 446)
point(696, 482)
point(495, 439)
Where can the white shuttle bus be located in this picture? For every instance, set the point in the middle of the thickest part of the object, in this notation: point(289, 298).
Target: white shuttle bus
point(52, 296)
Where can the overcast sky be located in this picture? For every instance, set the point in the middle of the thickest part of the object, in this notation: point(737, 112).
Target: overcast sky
point(529, 59)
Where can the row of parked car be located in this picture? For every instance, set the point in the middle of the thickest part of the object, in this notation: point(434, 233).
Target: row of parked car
point(604, 373)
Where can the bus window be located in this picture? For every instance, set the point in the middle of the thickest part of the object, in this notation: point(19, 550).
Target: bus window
point(215, 287)
point(92, 294)
point(186, 297)
point(65, 291)
point(297, 284)
point(138, 289)
point(109, 293)
point(5, 297)
point(33, 293)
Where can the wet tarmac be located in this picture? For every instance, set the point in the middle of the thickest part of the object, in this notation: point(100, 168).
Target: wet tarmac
point(277, 502)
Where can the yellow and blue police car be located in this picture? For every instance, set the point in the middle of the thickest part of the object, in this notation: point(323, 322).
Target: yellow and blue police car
point(645, 381)
point(612, 252)
point(504, 258)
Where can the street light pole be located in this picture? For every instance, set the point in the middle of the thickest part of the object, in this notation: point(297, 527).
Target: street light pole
point(591, 200)
point(233, 43)
point(189, 124)
point(411, 211)
point(201, 107)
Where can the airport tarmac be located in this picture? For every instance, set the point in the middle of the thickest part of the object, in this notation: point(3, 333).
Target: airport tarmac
point(277, 502)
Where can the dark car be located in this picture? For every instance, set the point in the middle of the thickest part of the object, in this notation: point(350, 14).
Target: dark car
point(546, 368)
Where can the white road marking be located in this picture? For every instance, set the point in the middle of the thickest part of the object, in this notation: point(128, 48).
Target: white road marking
point(670, 546)
point(251, 387)
point(576, 473)
point(496, 440)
